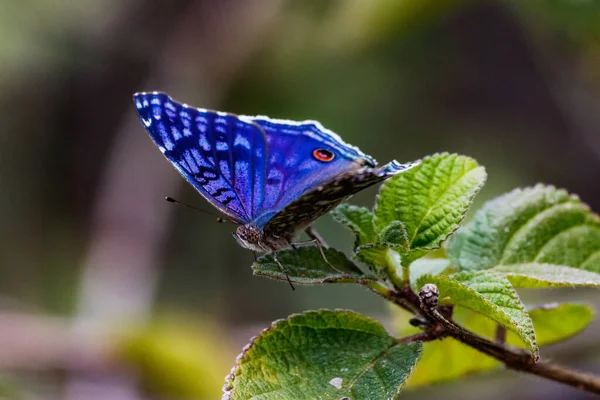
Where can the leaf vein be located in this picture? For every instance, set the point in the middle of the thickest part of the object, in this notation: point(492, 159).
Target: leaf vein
point(439, 198)
point(525, 225)
point(551, 239)
point(592, 255)
point(369, 366)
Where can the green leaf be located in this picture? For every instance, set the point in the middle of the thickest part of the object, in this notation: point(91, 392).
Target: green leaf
point(546, 275)
point(385, 252)
point(378, 255)
point(540, 224)
point(322, 355)
point(394, 235)
point(306, 265)
point(427, 266)
point(431, 199)
point(556, 322)
point(488, 294)
point(552, 323)
point(359, 220)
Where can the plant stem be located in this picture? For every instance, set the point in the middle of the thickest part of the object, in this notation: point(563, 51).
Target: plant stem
point(417, 337)
point(439, 327)
point(500, 337)
point(380, 289)
point(393, 267)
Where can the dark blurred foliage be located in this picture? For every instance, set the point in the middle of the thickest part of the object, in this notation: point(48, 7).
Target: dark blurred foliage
point(91, 252)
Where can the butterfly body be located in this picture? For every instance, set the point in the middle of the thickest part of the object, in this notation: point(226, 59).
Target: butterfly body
point(253, 238)
point(272, 177)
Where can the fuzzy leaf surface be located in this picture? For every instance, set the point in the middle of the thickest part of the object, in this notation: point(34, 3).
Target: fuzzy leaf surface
point(390, 243)
point(431, 199)
point(488, 294)
point(306, 265)
point(547, 275)
point(539, 224)
point(322, 355)
point(359, 220)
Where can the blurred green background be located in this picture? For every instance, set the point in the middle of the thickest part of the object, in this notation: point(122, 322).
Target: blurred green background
point(108, 292)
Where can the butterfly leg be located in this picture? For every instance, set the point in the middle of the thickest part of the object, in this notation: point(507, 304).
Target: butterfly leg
point(312, 233)
point(321, 245)
point(283, 270)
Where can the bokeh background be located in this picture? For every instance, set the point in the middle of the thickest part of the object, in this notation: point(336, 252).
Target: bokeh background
point(108, 292)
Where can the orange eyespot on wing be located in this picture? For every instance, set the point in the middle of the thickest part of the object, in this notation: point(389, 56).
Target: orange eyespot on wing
point(323, 155)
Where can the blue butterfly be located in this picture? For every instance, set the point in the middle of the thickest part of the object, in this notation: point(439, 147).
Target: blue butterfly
point(272, 177)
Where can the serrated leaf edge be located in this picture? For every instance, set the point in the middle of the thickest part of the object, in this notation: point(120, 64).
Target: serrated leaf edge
point(348, 224)
point(458, 223)
point(230, 378)
point(498, 270)
point(340, 278)
point(534, 347)
point(571, 197)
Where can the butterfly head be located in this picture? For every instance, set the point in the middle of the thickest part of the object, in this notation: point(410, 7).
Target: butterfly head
point(253, 238)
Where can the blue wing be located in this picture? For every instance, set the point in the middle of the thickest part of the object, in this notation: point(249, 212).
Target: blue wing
point(305, 209)
point(292, 169)
point(221, 155)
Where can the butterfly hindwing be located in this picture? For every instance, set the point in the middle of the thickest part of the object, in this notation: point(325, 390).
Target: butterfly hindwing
point(221, 155)
point(318, 201)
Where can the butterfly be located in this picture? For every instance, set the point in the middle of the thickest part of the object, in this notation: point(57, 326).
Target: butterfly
point(272, 177)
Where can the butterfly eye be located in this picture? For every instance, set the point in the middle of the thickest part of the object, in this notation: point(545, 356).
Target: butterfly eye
point(323, 155)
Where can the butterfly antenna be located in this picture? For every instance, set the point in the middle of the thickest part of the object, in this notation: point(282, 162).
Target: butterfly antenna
point(220, 219)
point(283, 270)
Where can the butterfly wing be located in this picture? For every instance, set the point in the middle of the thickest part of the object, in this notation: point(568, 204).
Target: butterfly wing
point(221, 155)
point(305, 209)
point(292, 167)
point(256, 169)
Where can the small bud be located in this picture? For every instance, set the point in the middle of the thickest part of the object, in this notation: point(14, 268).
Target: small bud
point(429, 296)
point(417, 322)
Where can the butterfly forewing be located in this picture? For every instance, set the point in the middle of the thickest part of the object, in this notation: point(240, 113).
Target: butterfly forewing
point(293, 169)
point(221, 155)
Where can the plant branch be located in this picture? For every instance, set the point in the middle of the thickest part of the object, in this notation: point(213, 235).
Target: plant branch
point(500, 336)
point(439, 326)
point(418, 337)
point(558, 373)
